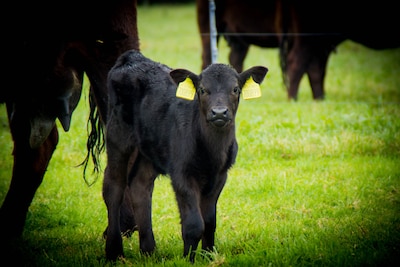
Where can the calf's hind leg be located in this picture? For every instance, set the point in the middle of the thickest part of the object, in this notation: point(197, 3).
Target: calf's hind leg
point(141, 187)
point(114, 185)
point(127, 219)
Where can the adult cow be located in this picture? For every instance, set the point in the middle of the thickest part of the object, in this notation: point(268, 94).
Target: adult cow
point(312, 30)
point(306, 33)
point(150, 132)
point(49, 47)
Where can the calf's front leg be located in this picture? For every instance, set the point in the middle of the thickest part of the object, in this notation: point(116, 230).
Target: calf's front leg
point(209, 212)
point(192, 224)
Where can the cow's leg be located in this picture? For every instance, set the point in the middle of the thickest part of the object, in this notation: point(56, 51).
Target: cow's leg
point(141, 190)
point(188, 198)
point(297, 61)
point(316, 75)
point(29, 168)
point(206, 51)
point(294, 76)
point(203, 22)
point(114, 185)
point(237, 54)
point(209, 213)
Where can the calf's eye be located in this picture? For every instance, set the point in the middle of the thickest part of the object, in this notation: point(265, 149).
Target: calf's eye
point(202, 90)
point(236, 89)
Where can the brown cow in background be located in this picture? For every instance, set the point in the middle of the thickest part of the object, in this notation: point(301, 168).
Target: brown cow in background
point(49, 46)
point(306, 32)
point(234, 22)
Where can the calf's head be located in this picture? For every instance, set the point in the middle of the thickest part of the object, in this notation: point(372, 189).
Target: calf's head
point(218, 89)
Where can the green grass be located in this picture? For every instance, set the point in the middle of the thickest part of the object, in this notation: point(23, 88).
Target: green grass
point(315, 183)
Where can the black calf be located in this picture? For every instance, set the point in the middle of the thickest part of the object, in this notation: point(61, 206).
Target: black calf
point(151, 131)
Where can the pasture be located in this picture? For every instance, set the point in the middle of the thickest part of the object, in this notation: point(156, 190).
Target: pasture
point(314, 184)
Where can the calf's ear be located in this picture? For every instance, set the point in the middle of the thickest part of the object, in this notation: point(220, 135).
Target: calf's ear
point(250, 81)
point(179, 75)
point(186, 81)
point(258, 73)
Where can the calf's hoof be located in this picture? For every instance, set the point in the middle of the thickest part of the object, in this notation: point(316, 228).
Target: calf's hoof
point(113, 255)
point(114, 249)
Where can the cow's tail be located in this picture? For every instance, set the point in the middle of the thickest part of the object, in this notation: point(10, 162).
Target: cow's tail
point(96, 141)
point(285, 39)
point(283, 53)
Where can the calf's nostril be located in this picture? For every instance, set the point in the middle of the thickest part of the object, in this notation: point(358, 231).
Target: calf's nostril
point(219, 111)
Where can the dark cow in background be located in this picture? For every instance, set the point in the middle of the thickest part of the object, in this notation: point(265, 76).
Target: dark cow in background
point(306, 32)
point(150, 132)
point(49, 46)
point(240, 23)
point(318, 28)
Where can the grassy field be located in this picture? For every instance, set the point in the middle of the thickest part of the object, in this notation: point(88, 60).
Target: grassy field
point(315, 183)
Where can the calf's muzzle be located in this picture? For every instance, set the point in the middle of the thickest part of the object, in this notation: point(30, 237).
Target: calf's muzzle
point(219, 116)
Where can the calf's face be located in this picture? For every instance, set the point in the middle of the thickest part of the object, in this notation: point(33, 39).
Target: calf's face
point(218, 89)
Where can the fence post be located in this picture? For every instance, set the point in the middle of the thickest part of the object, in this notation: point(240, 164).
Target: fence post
point(213, 32)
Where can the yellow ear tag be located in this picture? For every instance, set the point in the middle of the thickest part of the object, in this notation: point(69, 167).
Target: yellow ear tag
point(251, 89)
point(186, 89)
